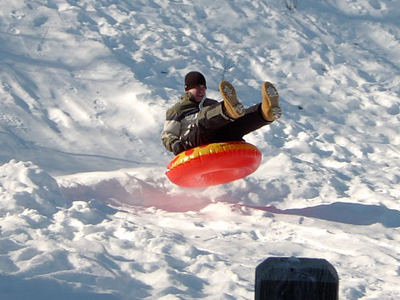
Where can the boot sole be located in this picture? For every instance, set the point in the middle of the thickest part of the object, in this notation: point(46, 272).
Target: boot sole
point(271, 97)
point(234, 108)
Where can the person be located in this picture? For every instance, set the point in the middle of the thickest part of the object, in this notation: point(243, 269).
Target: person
point(197, 120)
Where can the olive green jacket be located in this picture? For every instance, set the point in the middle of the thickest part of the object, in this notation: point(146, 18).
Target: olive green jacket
point(180, 118)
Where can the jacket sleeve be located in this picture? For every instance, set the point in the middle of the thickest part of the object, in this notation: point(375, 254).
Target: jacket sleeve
point(171, 131)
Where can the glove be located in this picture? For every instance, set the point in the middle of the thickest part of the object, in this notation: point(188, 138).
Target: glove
point(178, 147)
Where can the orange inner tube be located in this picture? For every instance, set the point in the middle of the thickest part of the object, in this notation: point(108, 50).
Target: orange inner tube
point(214, 164)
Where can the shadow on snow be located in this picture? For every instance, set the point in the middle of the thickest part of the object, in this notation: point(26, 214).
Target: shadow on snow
point(348, 213)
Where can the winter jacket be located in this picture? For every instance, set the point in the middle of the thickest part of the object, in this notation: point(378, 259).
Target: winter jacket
point(181, 118)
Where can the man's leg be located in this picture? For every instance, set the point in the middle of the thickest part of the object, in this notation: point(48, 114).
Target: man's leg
point(209, 120)
point(214, 124)
point(234, 131)
point(254, 118)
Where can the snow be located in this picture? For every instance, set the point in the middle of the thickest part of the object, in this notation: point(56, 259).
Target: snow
point(86, 211)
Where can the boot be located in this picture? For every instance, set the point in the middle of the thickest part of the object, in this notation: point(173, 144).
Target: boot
point(233, 107)
point(270, 102)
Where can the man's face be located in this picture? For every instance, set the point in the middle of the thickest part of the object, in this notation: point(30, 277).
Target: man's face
point(198, 92)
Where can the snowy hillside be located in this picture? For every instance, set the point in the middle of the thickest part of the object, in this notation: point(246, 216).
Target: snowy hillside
point(86, 211)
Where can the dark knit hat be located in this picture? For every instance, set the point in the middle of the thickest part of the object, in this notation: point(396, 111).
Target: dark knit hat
point(193, 79)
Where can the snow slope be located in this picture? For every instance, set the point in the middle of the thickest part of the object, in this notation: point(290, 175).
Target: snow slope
point(86, 211)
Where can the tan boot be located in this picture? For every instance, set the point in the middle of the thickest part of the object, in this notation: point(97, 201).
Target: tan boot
point(270, 102)
point(233, 107)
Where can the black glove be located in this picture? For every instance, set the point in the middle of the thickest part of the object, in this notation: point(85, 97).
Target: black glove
point(178, 147)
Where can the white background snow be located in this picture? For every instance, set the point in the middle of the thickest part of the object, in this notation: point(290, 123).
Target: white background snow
point(86, 211)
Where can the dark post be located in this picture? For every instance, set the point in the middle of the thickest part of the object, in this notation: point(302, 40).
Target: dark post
point(279, 278)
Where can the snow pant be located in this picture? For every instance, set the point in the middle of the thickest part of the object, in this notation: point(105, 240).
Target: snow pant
point(213, 126)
